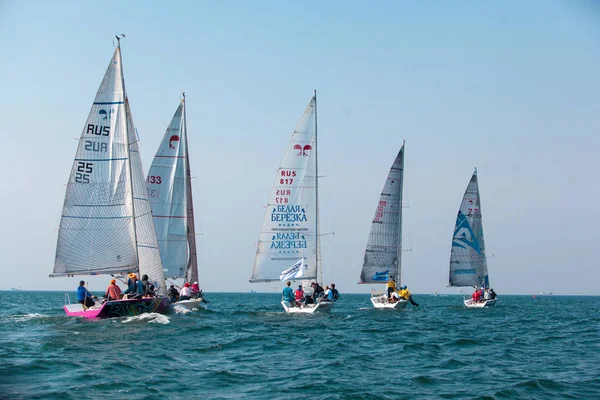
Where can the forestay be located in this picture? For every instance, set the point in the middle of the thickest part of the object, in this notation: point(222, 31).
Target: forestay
point(96, 233)
point(290, 229)
point(383, 253)
point(468, 265)
point(169, 190)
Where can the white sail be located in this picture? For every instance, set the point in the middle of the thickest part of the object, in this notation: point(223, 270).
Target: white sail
point(147, 247)
point(383, 253)
point(468, 265)
point(106, 225)
point(290, 227)
point(166, 183)
point(96, 233)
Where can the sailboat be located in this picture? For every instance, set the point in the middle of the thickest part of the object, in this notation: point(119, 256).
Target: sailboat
point(106, 226)
point(169, 186)
point(383, 254)
point(290, 231)
point(468, 264)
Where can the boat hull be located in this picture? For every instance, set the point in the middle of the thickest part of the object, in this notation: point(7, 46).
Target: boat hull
point(479, 304)
point(120, 308)
point(383, 302)
point(192, 304)
point(322, 307)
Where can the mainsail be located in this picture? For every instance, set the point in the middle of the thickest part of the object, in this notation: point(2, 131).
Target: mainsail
point(468, 265)
point(290, 228)
point(103, 227)
point(383, 253)
point(170, 192)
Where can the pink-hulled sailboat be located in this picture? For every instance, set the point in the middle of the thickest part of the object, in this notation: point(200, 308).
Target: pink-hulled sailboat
point(106, 224)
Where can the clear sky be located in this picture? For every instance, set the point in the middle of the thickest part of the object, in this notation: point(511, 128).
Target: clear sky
point(510, 87)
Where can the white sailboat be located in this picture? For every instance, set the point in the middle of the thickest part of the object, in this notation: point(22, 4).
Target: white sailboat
point(169, 187)
point(383, 254)
point(468, 264)
point(106, 227)
point(290, 230)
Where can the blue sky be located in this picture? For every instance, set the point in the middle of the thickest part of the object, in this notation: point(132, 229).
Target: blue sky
point(511, 88)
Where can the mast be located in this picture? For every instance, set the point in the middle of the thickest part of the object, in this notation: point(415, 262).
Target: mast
point(192, 267)
point(319, 270)
point(399, 247)
point(127, 112)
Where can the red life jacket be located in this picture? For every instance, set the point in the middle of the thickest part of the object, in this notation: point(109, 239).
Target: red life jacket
point(299, 294)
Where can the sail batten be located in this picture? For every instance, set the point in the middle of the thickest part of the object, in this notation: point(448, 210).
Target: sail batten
point(468, 264)
point(290, 226)
point(382, 259)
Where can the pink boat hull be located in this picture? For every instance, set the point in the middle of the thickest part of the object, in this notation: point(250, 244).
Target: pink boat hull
point(120, 308)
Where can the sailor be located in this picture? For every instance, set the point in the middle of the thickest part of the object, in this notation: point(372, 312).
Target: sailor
point(83, 296)
point(317, 292)
point(334, 291)
point(288, 294)
point(391, 287)
point(328, 296)
point(487, 295)
point(113, 292)
point(173, 294)
point(299, 295)
point(408, 296)
point(185, 292)
point(131, 284)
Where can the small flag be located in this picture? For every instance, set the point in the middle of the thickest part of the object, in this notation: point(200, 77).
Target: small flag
point(295, 271)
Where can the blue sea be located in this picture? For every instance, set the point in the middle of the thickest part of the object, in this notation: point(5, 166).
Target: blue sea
point(245, 346)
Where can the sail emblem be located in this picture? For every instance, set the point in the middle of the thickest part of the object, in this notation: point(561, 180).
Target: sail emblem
point(463, 234)
point(173, 138)
point(303, 151)
point(105, 115)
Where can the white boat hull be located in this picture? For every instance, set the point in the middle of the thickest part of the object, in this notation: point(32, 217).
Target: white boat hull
point(322, 307)
point(383, 302)
point(191, 304)
point(479, 304)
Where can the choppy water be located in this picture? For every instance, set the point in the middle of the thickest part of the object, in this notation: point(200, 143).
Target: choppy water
point(244, 346)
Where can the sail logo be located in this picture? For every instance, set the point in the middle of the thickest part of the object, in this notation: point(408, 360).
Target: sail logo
point(469, 271)
point(463, 234)
point(292, 240)
point(288, 214)
point(303, 151)
point(173, 138)
point(104, 114)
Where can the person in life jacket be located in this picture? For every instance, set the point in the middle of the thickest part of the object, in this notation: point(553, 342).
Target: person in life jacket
point(406, 294)
point(186, 292)
point(391, 287)
point(131, 287)
point(476, 295)
point(113, 292)
point(299, 295)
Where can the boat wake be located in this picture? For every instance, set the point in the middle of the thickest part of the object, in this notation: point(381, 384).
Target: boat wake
point(150, 318)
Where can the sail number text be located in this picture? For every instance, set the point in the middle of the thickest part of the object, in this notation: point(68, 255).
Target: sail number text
point(84, 169)
point(154, 179)
point(472, 211)
point(98, 130)
point(282, 192)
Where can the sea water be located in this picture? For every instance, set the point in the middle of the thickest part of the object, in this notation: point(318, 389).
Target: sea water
point(245, 346)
